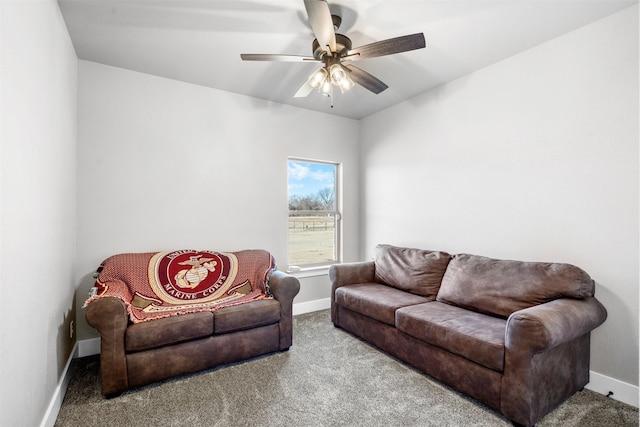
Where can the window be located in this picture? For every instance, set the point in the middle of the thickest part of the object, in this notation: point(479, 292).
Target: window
point(314, 218)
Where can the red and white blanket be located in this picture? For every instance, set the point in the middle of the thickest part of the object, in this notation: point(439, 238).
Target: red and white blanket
point(163, 284)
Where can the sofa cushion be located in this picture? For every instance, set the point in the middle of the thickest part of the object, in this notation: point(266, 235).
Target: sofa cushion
point(474, 336)
point(246, 316)
point(375, 300)
point(413, 270)
point(501, 287)
point(169, 330)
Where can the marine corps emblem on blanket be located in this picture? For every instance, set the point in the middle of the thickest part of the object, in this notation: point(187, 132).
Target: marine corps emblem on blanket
point(190, 276)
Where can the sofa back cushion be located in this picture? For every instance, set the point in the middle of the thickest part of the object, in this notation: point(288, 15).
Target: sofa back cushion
point(413, 270)
point(500, 287)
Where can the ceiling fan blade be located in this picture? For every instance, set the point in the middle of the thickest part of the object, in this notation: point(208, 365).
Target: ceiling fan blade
point(304, 90)
point(321, 23)
point(277, 58)
point(387, 47)
point(365, 79)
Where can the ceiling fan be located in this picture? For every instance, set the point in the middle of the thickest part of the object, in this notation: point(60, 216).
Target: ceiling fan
point(332, 49)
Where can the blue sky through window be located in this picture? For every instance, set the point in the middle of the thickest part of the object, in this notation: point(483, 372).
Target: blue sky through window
point(307, 178)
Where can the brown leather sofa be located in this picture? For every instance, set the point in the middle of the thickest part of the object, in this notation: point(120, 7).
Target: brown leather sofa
point(514, 335)
point(135, 354)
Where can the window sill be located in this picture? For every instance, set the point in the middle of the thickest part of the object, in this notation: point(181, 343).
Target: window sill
point(309, 271)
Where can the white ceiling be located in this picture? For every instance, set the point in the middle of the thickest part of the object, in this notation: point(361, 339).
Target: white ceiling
point(200, 41)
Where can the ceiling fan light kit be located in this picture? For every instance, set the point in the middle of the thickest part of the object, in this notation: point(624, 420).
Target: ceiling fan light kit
point(322, 80)
point(332, 49)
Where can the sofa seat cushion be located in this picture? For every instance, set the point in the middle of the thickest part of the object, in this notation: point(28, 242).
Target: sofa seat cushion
point(246, 316)
point(375, 300)
point(474, 336)
point(501, 287)
point(169, 330)
point(413, 270)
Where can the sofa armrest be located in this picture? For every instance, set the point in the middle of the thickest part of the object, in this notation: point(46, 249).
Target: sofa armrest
point(349, 274)
point(284, 288)
point(109, 316)
point(545, 326)
point(547, 353)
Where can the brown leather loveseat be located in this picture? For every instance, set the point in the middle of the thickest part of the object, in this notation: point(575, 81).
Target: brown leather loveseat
point(514, 335)
point(148, 335)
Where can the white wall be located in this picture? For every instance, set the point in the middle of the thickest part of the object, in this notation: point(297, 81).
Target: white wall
point(532, 158)
point(38, 197)
point(167, 165)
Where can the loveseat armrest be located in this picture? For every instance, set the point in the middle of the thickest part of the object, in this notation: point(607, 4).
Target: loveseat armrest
point(109, 316)
point(547, 353)
point(284, 288)
point(350, 273)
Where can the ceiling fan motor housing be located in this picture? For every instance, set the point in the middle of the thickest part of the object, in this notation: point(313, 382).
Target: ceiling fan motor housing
point(343, 44)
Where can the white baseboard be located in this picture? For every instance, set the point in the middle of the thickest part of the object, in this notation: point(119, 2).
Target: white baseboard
point(310, 306)
point(88, 347)
point(51, 414)
point(620, 391)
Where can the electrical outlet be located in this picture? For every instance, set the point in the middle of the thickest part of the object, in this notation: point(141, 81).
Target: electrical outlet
point(71, 325)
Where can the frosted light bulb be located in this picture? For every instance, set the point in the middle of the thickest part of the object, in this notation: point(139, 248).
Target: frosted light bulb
point(318, 78)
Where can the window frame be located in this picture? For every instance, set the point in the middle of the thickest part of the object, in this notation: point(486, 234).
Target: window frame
point(336, 213)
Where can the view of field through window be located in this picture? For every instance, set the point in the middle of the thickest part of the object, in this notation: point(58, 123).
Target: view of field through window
point(313, 217)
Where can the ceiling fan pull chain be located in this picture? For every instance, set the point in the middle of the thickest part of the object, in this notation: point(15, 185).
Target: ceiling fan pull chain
point(331, 95)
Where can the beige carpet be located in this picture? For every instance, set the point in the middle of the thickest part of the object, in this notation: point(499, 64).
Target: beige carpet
point(327, 378)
